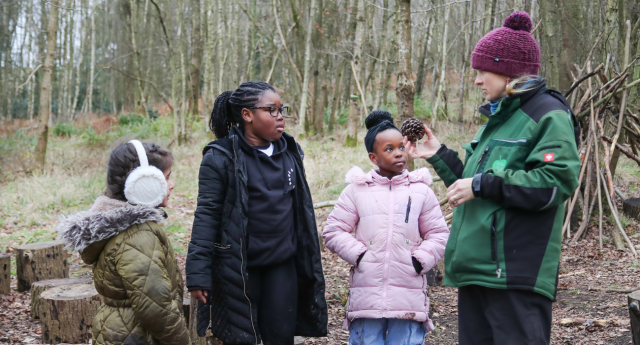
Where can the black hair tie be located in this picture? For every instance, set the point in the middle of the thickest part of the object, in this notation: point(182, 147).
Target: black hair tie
point(370, 138)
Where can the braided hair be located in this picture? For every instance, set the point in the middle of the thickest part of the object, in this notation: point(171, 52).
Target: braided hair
point(124, 159)
point(229, 104)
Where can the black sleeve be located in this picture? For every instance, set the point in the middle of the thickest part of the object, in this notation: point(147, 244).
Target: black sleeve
point(447, 165)
point(211, 195)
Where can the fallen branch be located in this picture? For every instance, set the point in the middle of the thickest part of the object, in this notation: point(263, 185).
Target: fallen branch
point(329, 203)
point(623, 150)
point(571, 274)
point(144, 81)
point(625, 290)
point(567, 322)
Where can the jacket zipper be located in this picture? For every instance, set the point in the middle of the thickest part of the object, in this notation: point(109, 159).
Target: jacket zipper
point(482, 157)
point(244, 283)
point(406, 218)
point(389, 236)
point(494, 246)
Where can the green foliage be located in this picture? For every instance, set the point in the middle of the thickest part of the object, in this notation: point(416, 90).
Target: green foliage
point(64, 129)
point(341, 294)
point(342, 117)
point(131, 119)
point(350, 141)
point(421, 109)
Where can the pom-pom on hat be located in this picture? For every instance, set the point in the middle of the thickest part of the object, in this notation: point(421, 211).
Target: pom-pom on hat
point(510, 50)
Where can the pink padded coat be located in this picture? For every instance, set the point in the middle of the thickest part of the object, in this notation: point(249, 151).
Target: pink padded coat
point(393, 221)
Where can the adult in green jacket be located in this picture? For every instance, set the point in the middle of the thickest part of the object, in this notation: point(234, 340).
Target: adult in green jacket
point(508, 196)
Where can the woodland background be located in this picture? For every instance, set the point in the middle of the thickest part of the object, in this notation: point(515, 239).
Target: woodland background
point(79, 77)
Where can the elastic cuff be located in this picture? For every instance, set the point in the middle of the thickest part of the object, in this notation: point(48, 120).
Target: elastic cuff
point(476, 185)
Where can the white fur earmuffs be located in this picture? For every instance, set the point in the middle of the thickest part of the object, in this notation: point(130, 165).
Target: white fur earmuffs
point(146, 184)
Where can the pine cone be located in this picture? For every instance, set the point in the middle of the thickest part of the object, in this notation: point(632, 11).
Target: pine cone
point(413, 129)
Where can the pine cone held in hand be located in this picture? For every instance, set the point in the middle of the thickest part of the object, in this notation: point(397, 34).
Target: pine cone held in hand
point(413, 129)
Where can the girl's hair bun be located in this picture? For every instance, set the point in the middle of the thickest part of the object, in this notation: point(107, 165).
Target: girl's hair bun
point(519, 21)
point(376, 117)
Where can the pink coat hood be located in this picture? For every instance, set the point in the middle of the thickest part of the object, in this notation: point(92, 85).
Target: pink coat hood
point(394, 220)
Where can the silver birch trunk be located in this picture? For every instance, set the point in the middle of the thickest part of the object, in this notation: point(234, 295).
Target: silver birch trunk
point(89, 107)
point(45, 85)
point(142, 106)
point(307, 66)
point(356, 114)
point(434, 112)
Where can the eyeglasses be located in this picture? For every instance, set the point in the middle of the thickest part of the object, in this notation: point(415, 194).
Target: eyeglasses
point(274, 111)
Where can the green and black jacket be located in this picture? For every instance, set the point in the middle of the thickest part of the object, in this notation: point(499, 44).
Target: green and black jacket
point(509, 236)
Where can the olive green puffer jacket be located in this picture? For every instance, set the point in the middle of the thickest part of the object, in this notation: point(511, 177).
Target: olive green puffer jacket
point(135, 271)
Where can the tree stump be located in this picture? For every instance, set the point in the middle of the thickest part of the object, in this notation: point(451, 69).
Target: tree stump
point(40, 261)
point(68, 312)
point(5, 273)
point(631, 208)
point(38, 288)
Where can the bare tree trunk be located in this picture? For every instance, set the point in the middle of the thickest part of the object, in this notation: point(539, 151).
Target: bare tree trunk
point(549, 12)
point(352, 131)
point(443, 67)
point(142, 105)
point(463, 77)
point(422, 68)
point(45, 85)
point(336, 94)
point(405, 90)
point(89, 98)
point(184, 95)
point(196, 57)
point(307, 67)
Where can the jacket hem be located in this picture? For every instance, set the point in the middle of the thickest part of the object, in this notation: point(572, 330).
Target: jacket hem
point(501, 286)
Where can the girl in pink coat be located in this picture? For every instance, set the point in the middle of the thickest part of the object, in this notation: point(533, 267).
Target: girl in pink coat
point(400, 234)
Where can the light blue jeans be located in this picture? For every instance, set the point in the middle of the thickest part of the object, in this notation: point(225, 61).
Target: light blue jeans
point(386, 332)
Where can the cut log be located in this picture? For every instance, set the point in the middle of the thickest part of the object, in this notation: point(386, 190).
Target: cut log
point(40, 261)
point(631, 208)
point(5, 273)
point(633, 300)
point(38, 288)
point(68, 312)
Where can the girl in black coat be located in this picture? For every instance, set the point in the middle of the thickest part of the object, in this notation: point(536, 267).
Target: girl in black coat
point(254, 258)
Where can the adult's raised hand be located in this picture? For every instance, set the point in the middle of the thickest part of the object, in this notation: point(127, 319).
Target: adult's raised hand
point(425, 149)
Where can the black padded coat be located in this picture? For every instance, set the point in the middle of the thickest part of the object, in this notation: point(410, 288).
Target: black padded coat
point(217, 258)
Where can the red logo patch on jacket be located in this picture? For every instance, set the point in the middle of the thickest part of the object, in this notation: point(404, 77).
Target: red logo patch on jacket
point(549, 157)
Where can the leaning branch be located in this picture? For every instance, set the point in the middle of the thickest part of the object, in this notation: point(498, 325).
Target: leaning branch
point(623, 150)
point(579, 81)
point(144, 81)
point(284, 43)
point(29, 77)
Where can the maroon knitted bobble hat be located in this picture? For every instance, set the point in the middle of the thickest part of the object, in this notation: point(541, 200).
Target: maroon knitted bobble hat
point(510, 50)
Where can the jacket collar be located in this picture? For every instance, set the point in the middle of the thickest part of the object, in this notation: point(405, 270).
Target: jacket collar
point(357, 176)
point(510, 104)
point(106, 218)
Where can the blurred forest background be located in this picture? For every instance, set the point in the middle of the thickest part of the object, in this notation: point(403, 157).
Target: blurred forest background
point(63, 60)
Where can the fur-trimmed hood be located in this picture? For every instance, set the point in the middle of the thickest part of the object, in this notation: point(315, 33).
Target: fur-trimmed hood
point(358, 176)
point(106, 218)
